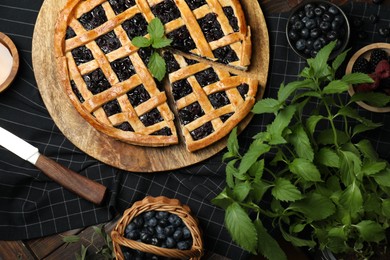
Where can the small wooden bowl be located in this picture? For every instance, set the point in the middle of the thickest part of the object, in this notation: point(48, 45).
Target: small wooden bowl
point(365, 52)
point(8, 43)
point(158, 204)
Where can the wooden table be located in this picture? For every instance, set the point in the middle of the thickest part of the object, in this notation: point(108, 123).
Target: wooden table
point(53, 247)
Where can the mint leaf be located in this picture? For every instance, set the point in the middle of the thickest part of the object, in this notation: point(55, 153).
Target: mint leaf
point(286, 91)
point(161, 42)
point(320, 62)
point(328, 157)
point(386, 208)
point(141, 42)
point(327, 137)
point(258, 190)
point(314, 207)
point(71, 239)
point(222, 200)
point(376, 99)
point(352, 200)
point(360, 128)
point(383, 178)
point(301, 143)
point(339, 60)
point(256, 149)
point(335, 87)
point(281, 121)
point(241, 191)
point(157, 66)
point(232, 143)
point(357, 78)
point(267, 245)
point(240, 227)
point(256, 171)
point(373, 167)
point(298, 241)
point(312, 121)
point(266, 105)
point(284, 190)
point(352, 113)
point(231, 171)
point(305, 169)
point(350, 165)
point(371, 231)
point(156, 28)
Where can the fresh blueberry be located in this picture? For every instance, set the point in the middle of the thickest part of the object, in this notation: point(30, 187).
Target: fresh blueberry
point(384, 31)
point(293, 35)
point(332, 35)
point(168, 230)
point(298, 25)
point(133, 234)
point(333, 10)
point(300, 44)
point(317, 45)
point(149, 214)
point(305, 33)
point(310, 24)
point(170, 242)
point(152, 222)
point(138, 221)
point(162, 215)
point(327, 17)
point(178, 234)
point(318, 11)
point(315, 33)
point(325, 26)
point(186, 233)
point(183, 245)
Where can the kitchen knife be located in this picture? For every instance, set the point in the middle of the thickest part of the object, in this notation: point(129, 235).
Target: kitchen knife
point(76, 183)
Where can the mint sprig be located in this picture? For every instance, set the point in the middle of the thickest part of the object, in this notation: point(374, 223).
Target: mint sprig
point(157, 40)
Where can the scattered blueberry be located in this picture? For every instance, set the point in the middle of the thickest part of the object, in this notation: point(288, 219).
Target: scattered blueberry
point(384, 32)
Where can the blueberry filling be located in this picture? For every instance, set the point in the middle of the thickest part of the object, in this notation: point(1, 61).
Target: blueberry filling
point(152, 117)
point(243, 89)
point(123, 68)
point(194, 4)
point(138, 95)
point(181, 88)
point(135, 26)
point(94, 18)
point(206, 77)
point(190, 113)
point(172, 64)
point(69, 33)
point(112, 107)
point(145, 54)
point(164, 131)
point(125, 127)
point(108, 42)
point(76, 91)
point(182, 39)
point(229, 12)
point(190, 62)
point(120, 6)
point(210, 27)
point(166, 11)
point(82, 55)
point(225, 117)
point(96, 81)
point(225, 54)
point(219, 99)
point(202, 131)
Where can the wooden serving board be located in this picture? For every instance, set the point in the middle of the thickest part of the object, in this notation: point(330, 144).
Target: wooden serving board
point(104, 148)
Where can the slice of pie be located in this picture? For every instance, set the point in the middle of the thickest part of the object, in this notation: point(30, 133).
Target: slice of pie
point(209, 101)
point(108, 82)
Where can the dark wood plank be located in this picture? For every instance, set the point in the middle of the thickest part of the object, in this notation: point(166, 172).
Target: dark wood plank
point(12, 250)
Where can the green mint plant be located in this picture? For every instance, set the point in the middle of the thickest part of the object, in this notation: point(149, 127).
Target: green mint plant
point(156, 40)
point(327, 187)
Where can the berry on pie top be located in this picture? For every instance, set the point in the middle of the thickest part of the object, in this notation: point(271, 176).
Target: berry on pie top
point(107, 79)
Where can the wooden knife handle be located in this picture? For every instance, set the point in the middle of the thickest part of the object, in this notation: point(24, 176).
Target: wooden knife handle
point(76, 183)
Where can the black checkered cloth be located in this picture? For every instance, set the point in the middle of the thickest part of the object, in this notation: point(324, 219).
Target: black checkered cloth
point(33, 206)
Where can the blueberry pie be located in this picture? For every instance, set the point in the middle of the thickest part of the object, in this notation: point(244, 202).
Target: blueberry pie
point(209, 101)
point(108, 81)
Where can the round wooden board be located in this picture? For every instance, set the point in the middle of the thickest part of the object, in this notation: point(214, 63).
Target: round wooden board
point(104, 148)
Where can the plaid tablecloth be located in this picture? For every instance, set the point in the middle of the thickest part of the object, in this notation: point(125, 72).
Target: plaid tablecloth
point(33, 206)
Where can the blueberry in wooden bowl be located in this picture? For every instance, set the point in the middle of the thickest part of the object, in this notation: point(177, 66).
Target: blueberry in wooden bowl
point(373, 60)
point(157, 228)
point(313, 24)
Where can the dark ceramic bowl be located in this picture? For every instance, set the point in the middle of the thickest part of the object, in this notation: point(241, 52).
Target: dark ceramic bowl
point(313, 24)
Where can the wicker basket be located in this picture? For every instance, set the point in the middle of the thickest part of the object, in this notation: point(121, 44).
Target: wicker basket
point(158, 204)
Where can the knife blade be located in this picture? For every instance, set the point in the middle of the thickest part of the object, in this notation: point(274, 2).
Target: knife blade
point(76, 183)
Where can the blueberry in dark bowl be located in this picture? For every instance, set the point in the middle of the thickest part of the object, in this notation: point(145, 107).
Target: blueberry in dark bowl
point(313, 24)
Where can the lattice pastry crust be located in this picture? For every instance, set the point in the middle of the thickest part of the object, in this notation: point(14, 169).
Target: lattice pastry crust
point(107, 80)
